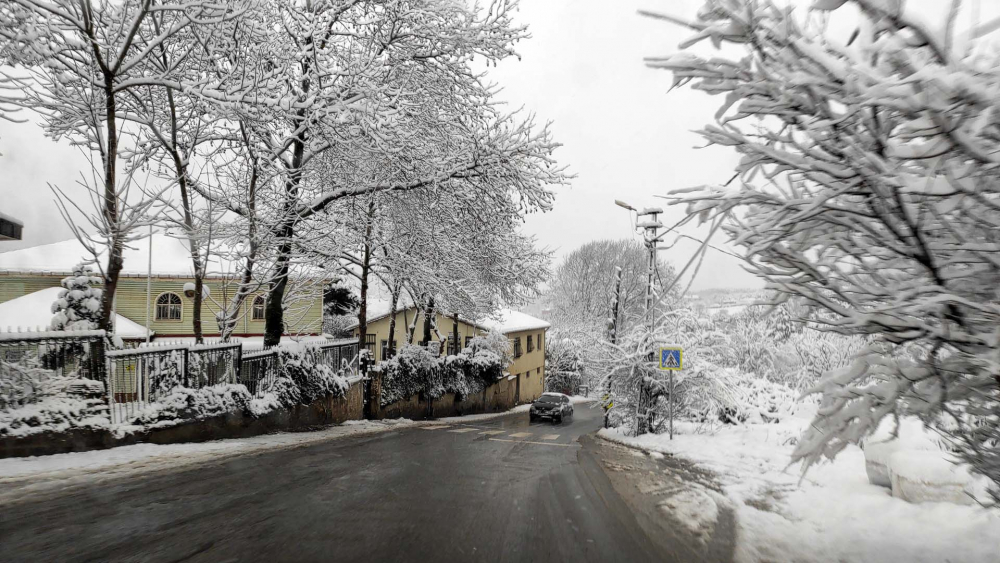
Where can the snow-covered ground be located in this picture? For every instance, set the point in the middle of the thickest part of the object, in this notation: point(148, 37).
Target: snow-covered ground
point(834, 514)
point(32, 475)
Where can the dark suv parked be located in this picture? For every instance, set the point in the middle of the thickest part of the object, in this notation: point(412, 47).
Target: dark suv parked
point(553, 406)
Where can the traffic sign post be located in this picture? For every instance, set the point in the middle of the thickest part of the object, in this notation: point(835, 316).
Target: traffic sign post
point(671, 359)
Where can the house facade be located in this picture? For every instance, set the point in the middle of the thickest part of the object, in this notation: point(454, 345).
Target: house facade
point(169, 312)
point(526, 335)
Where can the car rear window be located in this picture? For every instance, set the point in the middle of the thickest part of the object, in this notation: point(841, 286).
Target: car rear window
point(550, 399)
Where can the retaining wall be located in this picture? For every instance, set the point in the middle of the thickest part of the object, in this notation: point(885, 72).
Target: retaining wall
point(322, 412)
point(496, 398)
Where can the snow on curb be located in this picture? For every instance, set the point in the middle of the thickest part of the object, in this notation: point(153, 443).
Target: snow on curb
point(477, 417)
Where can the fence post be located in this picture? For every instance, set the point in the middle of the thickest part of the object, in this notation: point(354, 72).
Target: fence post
point(238, 372)
point(187, 382)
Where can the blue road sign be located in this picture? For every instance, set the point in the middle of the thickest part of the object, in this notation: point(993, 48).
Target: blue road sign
point(671, 358)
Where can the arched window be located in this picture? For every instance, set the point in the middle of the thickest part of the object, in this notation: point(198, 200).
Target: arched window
point(168, 307)
point(257, 309)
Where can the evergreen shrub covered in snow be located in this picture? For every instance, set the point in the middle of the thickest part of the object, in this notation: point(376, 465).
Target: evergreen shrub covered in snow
point(311, 377)
point(51, 414)
point(184, 403)
point(79, 304)
point(414, 370)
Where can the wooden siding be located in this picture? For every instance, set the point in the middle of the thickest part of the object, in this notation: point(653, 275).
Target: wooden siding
point(13, 286)
point(306, 317)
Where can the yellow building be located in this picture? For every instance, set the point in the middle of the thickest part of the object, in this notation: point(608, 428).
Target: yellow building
point(526, 334)
point(162, 284)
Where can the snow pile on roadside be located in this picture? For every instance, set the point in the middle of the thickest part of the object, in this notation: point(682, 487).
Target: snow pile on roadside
point(834, 514)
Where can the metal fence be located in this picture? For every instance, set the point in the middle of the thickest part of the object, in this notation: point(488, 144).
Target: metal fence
point(78, 353)
point(138, 376)
point(258, 370)
point(30, 360)
point(341, 354)
point(135, 377)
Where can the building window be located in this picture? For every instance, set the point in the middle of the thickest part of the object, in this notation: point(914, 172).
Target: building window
point(451, 345)
point(370, 344)
point(538, 371)
point(257, 309)
point(531, 343)
point(517, 347)
point(385, 349)
point(168, 307)
point(468, 340)
point(540, 340)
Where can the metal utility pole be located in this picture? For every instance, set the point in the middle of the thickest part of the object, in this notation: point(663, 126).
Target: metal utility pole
point(651, 225)
point(648, 219)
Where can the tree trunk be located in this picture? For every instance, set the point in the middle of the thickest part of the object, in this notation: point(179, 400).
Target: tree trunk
point(392, 320)
point(274, 313)
point(428, 315)
point(110, 209)
point(413, 324)
point(366, 259)
point(454, 332)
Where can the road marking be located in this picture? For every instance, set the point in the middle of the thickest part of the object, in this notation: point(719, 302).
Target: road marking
point(521, 435)
point(493, 432)
point(461, 430)
point(436, 427)
point(550, 437)
point(530, 442)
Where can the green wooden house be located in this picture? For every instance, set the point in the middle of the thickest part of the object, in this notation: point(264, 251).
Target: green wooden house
point(152, 287)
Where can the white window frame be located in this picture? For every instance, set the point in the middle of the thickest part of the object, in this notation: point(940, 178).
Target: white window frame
point(179, 304)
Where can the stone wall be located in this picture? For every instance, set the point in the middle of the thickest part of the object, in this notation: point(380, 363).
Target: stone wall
point(495, 398)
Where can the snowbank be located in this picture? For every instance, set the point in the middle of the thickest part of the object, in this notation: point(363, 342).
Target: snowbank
point(833, 514)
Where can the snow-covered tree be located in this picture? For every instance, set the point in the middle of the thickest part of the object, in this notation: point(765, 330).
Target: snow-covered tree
point(79, 304)
point(868, 187)
point(583, 287)
point(72, 63)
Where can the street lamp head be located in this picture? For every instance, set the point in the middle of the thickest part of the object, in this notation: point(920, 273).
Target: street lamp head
point(621, 203)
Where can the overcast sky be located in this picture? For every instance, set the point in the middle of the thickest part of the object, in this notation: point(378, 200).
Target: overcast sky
point(625, 137)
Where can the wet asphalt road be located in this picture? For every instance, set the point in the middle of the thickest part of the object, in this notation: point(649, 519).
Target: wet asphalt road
point(496, 490)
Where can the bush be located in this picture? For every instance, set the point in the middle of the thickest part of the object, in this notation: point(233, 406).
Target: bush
point(183, 403)
point(313, 379)
point(414, 371)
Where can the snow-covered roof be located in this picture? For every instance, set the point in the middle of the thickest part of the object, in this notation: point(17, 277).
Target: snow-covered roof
point(34, 310)
point(508, 320)
point(505, 320)
point(171, 257)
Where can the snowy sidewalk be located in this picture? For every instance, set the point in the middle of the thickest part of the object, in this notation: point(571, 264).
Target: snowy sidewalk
point(834, 514)
point(23, 476)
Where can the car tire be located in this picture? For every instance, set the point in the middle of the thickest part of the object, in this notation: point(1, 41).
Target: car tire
point(557, 419)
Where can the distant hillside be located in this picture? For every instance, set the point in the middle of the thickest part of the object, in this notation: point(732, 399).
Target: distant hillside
point(729, 297)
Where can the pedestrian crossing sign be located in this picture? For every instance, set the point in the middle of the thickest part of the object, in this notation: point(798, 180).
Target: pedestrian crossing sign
point(671, 359)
